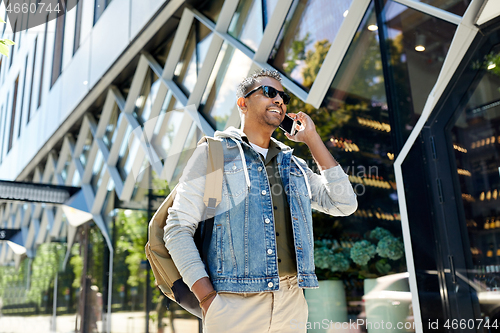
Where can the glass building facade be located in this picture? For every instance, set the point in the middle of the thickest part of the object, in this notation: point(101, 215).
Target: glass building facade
point(404, 93)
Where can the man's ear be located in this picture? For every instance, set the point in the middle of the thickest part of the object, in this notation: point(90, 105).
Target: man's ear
point(241, 104)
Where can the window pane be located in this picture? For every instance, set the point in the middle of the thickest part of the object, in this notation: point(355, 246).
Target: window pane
point(145, 100)
point(167, 126)
point(86, 149)
point(249, 21)
point(161, 53)
point(189, 146)
point(455, 6)
point(417, 45)
point(111, 127)
point(212, 9)
point(193, 55)
point(97, 171)
point(306, 37)
point(475, 136)
point(128, 151)
point(219, 100)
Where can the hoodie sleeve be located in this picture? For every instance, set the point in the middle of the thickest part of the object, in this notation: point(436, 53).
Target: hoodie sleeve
point(331, 192)
point(184, 216)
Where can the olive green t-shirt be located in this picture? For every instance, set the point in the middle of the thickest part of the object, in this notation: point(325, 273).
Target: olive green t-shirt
point(282, 220)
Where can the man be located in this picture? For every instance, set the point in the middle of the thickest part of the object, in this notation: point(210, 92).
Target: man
point(261, 252)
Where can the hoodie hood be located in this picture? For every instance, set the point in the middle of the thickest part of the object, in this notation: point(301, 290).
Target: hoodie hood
point(237, 134)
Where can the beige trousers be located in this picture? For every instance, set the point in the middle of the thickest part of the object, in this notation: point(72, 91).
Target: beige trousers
point(272, 312)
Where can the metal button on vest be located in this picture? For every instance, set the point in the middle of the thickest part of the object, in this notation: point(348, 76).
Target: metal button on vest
point(234, 167)
point(269, 251)
point(267, 220)
point(259, 168)
point(263, 192)
point(270, 284)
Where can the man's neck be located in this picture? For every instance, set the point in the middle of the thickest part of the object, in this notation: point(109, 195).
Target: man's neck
point(259, 138)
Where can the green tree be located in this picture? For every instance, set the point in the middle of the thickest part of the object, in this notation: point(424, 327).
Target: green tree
point(4, 42)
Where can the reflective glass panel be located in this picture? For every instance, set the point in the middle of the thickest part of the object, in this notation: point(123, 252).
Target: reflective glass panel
point(129, 275)
point(476, 146)
point(76, 181)
point(219, 99)
point(189, 146)
point(161, 52)
point(128, 151)
point(250, 20)
point(359, 259)
point(145, 100)
point(212, 9)
point(417, 45)
point(454, 6)
point(97, 171)
point(65, 169)
point(111, 127)
point(195, 50)
point(86, 149)
point(167, 126)
point(306, 37)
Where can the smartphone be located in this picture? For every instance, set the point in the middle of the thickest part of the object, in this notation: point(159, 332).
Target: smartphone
point(289, 125)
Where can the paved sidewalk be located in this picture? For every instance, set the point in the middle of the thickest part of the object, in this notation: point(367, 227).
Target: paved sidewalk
point(121, 322)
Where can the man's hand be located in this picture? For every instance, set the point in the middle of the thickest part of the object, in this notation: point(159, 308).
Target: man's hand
point(206, 305)
point(306, 131)
point(308, 135)
point(202, 288)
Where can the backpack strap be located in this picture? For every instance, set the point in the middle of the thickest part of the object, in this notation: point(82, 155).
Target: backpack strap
point(213, 185)
point(212, 196)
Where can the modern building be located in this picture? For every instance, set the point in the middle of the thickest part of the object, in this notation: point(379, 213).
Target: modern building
point(112, 97)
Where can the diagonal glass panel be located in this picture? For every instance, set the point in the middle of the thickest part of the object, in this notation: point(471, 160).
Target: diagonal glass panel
point(193, 55)
point(65, 169)
point(97, 171)
point(77, 180)
point(219, 99)
point(128, 151)
point(306, 37)
point(250, 20)
point(145, 100)
point(192, 139)
point(86, 149)
point(211, 9)
point(454, 6)
point(161, 52)
point(417, 45)
point(111, 127)
point(169, 122)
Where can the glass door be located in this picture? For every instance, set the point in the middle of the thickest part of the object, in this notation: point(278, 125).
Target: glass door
point(463, 146)
point(476, 151)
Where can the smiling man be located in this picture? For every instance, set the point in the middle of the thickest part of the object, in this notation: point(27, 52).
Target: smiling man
point(261, 255)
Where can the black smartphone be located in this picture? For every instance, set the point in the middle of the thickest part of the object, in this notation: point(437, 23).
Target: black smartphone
point(288, 125)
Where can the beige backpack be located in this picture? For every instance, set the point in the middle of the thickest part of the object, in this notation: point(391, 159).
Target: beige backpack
point(167, 276)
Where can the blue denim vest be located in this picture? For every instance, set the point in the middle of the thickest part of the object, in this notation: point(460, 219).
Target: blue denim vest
point(242, 255)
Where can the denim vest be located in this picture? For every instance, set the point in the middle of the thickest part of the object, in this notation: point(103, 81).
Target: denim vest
point(242, 255)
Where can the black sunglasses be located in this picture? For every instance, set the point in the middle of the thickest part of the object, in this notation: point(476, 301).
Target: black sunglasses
point(271, 92)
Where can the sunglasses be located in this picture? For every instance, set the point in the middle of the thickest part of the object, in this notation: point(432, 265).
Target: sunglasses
point(271, 92)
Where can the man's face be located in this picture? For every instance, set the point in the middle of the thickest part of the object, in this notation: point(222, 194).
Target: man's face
point(263, 110)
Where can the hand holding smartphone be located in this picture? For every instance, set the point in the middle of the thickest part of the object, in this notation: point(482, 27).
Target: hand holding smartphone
point(289, 125)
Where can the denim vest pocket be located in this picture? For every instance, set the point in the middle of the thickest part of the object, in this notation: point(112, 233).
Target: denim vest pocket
point(234, 181)
point(297, 181)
